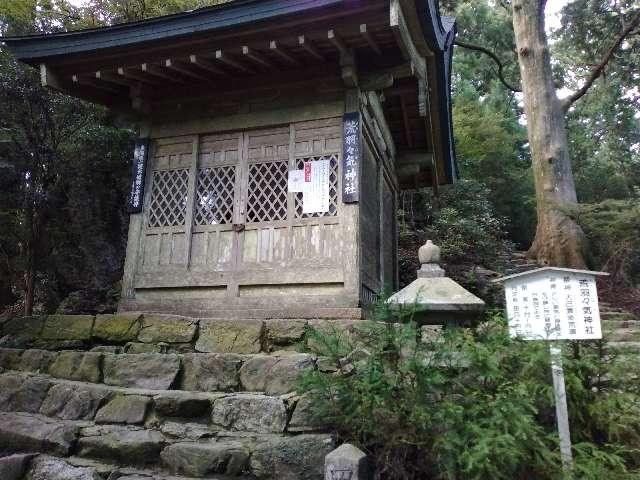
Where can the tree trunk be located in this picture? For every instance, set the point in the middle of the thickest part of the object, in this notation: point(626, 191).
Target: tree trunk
point(559, 240)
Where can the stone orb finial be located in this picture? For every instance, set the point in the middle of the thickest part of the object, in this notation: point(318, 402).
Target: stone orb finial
point(429, 253)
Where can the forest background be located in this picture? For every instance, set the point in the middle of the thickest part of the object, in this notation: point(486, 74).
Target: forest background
point(65, 164)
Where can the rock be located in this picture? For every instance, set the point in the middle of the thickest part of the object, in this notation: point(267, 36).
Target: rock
point(24, 432)
point(10, 358)
point(186, 431)
point(14, 466)
point(130, 409)
point(67, 327)
point(302, 419)
point(81, 366)
point(138, 347)
point(74, 402)
point(210, 372)
point(291, 458)
point(120, 327)
point(50, 468)
point(19, 393)
point(274, 375)
point(123, 444)
point(199, 459)
point(148, 370)
point(106, 349)
point(23, 330)
point(250, 413)
point(346, 460)
point(284, 333)
point(182, 404)
point(167, 328)
point(225, 336)
point(37, 361)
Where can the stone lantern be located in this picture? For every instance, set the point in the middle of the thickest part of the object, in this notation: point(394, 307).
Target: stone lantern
point(434, 298)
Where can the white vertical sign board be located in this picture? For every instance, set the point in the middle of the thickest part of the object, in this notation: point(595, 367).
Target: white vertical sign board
point(315, 193)
point(553, 305)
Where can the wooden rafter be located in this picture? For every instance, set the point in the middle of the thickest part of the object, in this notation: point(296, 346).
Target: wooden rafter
point(115, 78)
point(208, 65)
point(405, 121)
point(226, 59)
point(337, 42)
point(369, 38)
point(282, 53)
point(93, 83)
point(138, 75)
point(156, 71)
point(183, 69)
point(257, 57)
point(309, 47)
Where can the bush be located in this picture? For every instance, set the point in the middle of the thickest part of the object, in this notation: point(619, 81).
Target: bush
point(472, 404)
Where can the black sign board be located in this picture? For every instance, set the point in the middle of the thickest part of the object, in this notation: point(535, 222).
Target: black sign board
point(351, 156)
point(136, 197)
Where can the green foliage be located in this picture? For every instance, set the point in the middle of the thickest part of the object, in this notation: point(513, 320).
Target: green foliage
point(613, 228)
point(473, 404)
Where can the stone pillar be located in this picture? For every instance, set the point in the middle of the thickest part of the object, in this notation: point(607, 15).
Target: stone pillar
point(346, 463)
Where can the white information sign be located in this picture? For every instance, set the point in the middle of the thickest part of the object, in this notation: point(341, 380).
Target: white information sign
point(315, 192)
point(296, 181)
point(553, 304)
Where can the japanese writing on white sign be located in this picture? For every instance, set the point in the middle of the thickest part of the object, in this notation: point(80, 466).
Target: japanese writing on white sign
point(315, 192)
point(553, 305)
point(351, 157)
point(136, 197)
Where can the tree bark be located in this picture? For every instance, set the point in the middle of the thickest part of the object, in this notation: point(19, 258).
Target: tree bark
point(559, 240)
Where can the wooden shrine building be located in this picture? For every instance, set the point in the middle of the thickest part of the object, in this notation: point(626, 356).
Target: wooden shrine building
point(275, 136)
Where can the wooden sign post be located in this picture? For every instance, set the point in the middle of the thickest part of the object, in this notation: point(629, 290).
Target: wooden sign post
point(554, 304)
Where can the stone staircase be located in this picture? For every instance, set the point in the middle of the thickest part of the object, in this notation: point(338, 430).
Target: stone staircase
point(140, 397)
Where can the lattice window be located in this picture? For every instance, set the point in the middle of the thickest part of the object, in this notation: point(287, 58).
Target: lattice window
point(169, 198)
point(267, 192)
point(333, 188)
point(214, 196)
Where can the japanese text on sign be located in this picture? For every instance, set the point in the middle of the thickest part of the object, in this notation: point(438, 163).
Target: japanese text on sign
point(136, 196)
point(315, 193)
point(553, 305)
point(351, 157)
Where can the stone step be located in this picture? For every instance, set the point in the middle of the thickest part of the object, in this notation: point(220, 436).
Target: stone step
point(175, 412)
point(632, 347)
point(623, 335)
point(263, 456)
point(207, 372)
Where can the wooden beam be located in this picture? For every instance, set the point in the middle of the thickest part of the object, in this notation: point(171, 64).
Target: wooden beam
point(337, 42)
point(221, 57)
point(93, 83)
point(208, 65)
point(369, 39)
point(377, 81)
point(405, 41)
point(405, 120)
point(138, 75)
point(115, 78)
point(257, 57)
point(181, 68)
point(49, 79)
point(282, 53)
point(156, 71)
point(310, 47)
point(378, 114)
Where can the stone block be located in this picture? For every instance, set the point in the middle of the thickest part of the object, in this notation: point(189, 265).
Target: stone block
point(139, 347)
point(182, 404)
point(36, 361)
point(24, 432)
point(210, 372)
point(274, 375)
point(291, 458)
point(50, 468)
point(226, 336)
point(10, 358)
point(23, 329)
point(200, 459)
point(13, 467)
point(19, 393)
point(148, 370)
point(74, 402)
point(346, 461)
point(282, 333)
point(129, 409)
point(119, 327)
point(250, 413)
point(302, 419)
point(67, 327)
point(123, 444)
point(81, 366)
point(106, 349)
point(186, 430)
point(167, 328)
